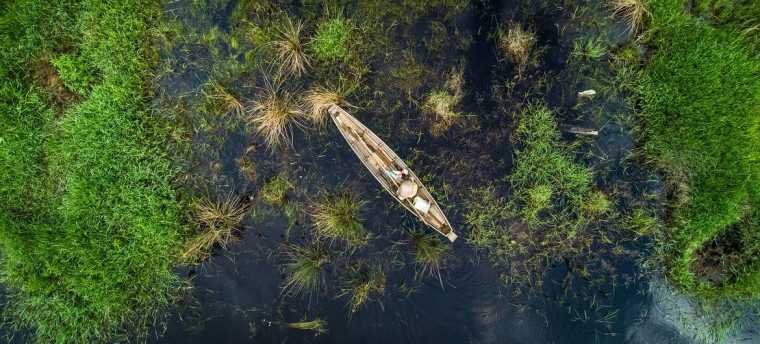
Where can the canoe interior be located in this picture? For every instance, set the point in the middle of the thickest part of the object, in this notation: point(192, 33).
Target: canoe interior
point(379, 159)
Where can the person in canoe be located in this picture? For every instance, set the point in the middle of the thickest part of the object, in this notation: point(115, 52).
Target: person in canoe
point(407, 189)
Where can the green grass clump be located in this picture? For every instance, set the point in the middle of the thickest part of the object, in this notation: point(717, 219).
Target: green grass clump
point(641, 222)
point(545, 178)
point(589, 48)
point(701, 115)
point(304, 267)
point(338, 217)
point(444, 103)
point(332, 40)
point(429, 253)
point(90, 223)
point(275, 191)
point(362, 284)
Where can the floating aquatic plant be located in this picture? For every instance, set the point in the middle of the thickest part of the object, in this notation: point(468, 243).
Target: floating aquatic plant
point(633, 12)
point(317, 325)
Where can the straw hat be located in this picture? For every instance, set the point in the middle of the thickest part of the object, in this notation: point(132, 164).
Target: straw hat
point(407, 189)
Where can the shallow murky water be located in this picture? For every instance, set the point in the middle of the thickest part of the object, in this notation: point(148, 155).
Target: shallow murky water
point(237, 296)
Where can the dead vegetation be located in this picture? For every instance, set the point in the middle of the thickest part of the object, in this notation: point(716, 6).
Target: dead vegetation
point(318, 100)
point(289, 48)
point(516, 43)
point(217, 221)
point(444, 103)
point(47, 78)
point(633, 13)
point(274, 113)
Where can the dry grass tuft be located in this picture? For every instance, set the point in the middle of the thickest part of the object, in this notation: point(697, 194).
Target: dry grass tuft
point(290, 49)
point(218, 221)
point(443, 103)
point(274, 113)
point(318, 100)
point(516, 43)
point(633, 12)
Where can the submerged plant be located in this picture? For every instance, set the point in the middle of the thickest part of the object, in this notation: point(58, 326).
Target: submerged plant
point(275, 190)
point(289, 48)
point(516, 43)
point(633, 12)
point(223, 100)
point(217, 220)
point(339, 218)
point(274, 113)
point(247, 168)
point(330, 43)
point(362, 284)
point(304, 268)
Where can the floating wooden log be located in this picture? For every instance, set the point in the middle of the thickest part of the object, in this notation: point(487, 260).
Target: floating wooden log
point(581, 131)
point(586, 94)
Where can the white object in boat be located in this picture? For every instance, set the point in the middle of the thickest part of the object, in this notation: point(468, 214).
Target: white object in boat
point(421, 204)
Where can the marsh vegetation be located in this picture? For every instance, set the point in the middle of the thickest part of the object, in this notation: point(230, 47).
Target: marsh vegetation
point(338, 218)
point(138, 141)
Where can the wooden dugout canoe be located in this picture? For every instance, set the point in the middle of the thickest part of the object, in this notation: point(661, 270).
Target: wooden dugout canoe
point(379, 160)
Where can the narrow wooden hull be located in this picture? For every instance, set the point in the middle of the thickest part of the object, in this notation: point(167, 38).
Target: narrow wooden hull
point(379, 160)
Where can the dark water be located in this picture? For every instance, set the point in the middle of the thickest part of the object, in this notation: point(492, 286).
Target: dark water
point(237, 294)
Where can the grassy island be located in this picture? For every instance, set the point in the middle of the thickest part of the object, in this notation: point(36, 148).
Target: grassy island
point(700, 97)
point(89, 223)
